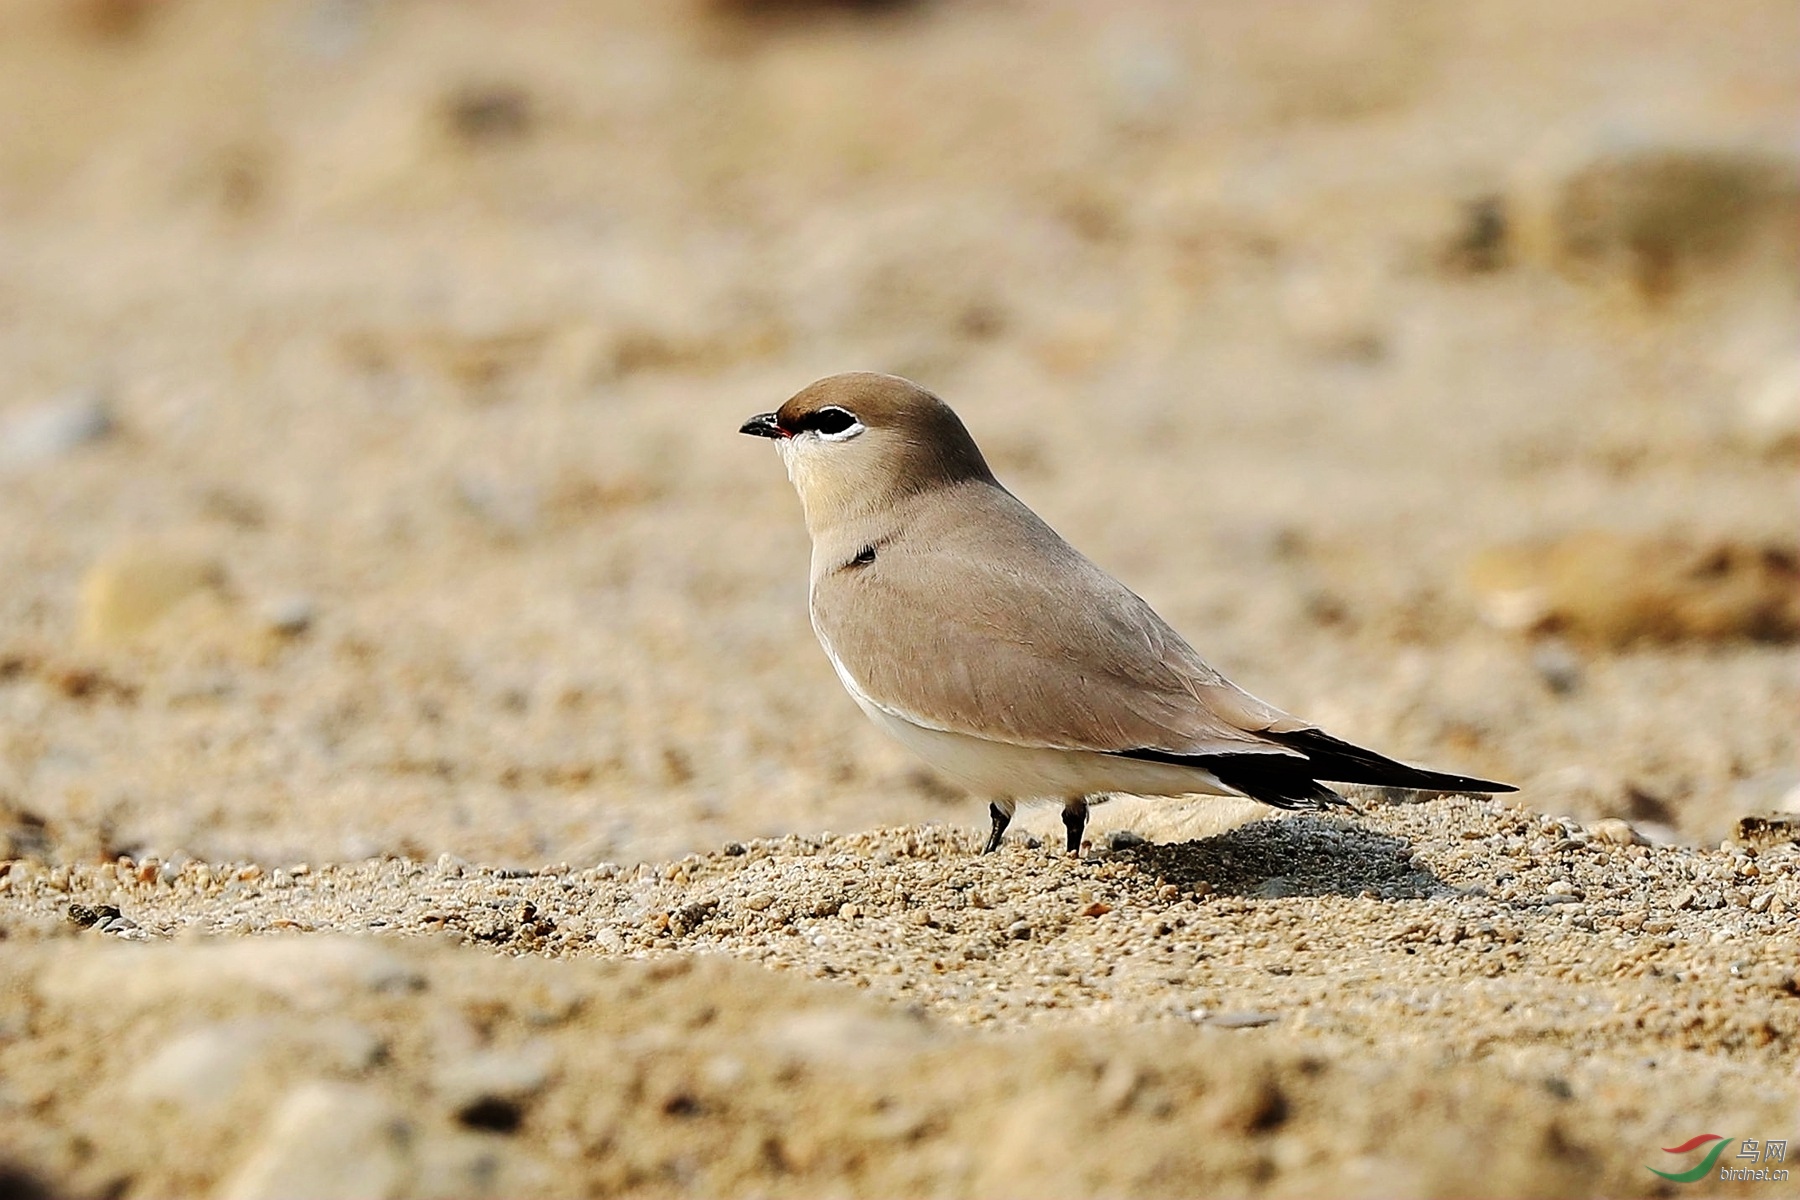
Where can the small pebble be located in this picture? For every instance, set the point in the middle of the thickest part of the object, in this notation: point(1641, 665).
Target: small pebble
point(289, 616)
point(54, 428)
point(1242, 1020)
point(1557, 665)
point(1616, 832)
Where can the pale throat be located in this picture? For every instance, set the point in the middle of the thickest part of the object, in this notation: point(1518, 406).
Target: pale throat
point(828, 498)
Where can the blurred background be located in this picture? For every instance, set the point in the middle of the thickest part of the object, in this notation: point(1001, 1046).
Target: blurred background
point(370, 373)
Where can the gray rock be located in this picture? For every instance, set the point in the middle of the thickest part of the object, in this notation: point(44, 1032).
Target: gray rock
point(289, 616)
point(328, 1141)
point(1557, 665)
point(201, 1070)
point(1241, 1020)
point(510, 511)
point(54, 428)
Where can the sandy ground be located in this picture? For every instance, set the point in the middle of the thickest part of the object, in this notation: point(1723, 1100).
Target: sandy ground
point(400, 650)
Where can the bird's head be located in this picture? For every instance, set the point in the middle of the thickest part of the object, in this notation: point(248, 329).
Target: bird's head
point(856, 442)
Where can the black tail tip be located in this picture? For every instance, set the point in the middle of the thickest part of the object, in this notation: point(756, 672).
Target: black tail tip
point(1478, 787)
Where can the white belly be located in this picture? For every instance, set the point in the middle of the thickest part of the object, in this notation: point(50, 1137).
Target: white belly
point(1005, 772)
point(996, 770)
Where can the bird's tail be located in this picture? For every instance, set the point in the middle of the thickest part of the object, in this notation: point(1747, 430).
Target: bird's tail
point(1339, 761)
point(1288, 781)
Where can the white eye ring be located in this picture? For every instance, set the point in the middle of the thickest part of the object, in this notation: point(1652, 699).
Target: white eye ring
point(847, 432)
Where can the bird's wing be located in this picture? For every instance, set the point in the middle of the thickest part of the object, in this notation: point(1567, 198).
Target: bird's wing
point(975, 617)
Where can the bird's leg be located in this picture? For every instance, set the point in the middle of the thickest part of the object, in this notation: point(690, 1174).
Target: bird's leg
point(1075, 815)
point(1001, 819)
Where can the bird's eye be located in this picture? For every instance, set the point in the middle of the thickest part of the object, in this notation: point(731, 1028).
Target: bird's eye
point(835, 422)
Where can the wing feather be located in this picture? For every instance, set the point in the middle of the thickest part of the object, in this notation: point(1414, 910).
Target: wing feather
point(976, 618)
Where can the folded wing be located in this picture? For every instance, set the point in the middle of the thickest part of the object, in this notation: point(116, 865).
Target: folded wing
point(1021, 639)
point(1018, 638)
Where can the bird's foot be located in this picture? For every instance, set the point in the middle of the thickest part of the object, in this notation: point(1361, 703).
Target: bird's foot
point(1074, 817)
point(1001, 819)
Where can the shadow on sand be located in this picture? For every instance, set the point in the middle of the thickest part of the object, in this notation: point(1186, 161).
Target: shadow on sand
point(1304, 855)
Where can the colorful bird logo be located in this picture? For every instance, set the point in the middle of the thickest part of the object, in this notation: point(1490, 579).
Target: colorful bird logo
point(1720, 1144)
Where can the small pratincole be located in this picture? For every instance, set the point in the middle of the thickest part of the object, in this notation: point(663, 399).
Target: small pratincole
point(966, 628)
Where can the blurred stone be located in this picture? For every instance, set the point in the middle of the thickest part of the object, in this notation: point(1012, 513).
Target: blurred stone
point(234, 507)
point(1655, 215)
point(311, 973)
point(495, 1081)
point(1557, 665)
point(481, 113)
point(201, 1070)
point(847, 1037)
point(133, 588)
point(1616, 589)
point(1335, 313)
point(236, 178)
point(23, 834)
point(289, 616)
point(510, 511)
point(1482, 240)
point(1769, 410)
point(328, 1141)
point(1143, 75)
point(54, 428)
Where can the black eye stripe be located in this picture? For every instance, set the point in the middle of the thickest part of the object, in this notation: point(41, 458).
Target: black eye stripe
point(828, 420)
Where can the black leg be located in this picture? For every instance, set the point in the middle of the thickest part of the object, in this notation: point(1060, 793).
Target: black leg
point(1001, 819)
point(1075, 815)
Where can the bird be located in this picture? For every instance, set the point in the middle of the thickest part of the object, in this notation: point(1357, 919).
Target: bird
point(967, 629)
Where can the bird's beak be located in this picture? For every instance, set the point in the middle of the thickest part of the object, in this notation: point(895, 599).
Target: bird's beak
point(763, 425)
